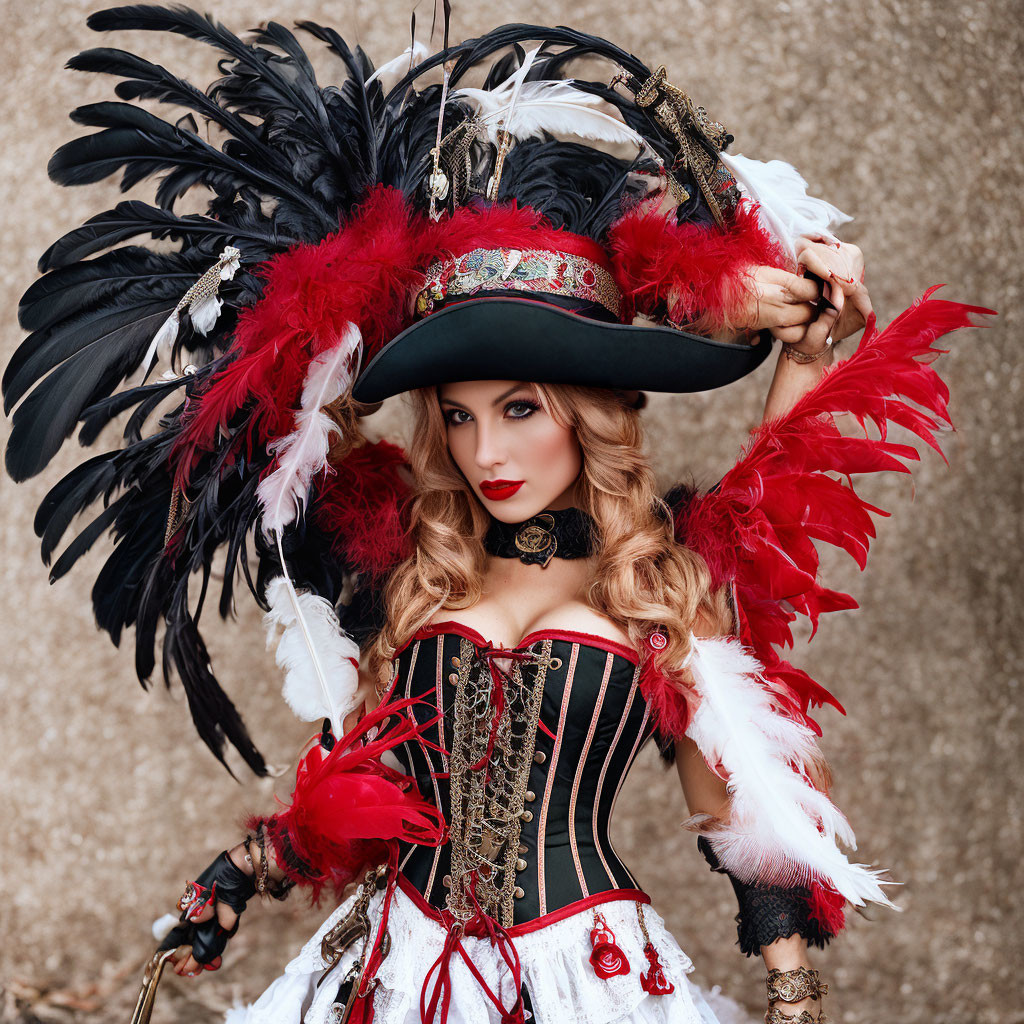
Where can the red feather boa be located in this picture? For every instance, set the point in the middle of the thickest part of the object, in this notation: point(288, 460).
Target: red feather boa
point(758, 526)
point(364, 274)
point(364, 509)
point(696, 275)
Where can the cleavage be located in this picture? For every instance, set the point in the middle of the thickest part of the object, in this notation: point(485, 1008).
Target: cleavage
point(570, 616)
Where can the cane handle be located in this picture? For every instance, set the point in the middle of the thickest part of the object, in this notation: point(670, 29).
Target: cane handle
point(150, 980)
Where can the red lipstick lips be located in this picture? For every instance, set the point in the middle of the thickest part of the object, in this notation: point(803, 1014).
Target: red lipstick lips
point(499, 490)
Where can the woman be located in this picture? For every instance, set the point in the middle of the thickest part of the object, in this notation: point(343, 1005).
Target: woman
point(520, 618)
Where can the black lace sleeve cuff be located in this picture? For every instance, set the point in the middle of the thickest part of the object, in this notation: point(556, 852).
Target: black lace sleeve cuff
point(768, 912)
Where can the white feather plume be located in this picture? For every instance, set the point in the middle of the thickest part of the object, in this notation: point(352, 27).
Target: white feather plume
point(161, 344)
point(317, 686)
point(164, 925)
point(489, 103)
point(528, 109)
point(773, 832)
point(303, 453)
point(401, 65)
point(785, 208)
point(555, 107)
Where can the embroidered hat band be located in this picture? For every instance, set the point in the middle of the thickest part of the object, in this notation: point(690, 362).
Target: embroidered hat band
point(533, 271)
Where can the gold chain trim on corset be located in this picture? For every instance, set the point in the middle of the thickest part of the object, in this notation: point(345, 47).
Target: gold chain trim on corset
point(643, 923)
point(488, 793)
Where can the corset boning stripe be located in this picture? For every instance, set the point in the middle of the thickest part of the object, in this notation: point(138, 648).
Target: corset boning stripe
point(613, 746)
point(439, 676)
point(592, 723)
point(641, 735)
point(559, 732)
point(609, 661)
point(407, 747)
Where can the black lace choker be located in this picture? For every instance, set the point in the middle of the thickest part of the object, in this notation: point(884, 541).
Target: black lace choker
point(564, 532)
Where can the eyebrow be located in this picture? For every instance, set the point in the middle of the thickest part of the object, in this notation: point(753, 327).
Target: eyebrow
point(500, 398)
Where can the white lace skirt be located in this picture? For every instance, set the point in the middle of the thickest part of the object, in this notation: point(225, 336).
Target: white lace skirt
point(555, 967)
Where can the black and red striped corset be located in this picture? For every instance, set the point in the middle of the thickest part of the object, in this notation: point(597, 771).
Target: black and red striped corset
point(535, 743)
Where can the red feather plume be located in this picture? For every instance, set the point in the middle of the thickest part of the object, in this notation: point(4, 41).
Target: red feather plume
point(348, 806)
point(757, 528)
point(362, 274)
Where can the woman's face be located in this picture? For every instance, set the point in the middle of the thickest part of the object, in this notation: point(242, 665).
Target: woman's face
point(518, 460)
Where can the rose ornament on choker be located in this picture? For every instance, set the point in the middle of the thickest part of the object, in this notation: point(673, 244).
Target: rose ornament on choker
point(565, 533)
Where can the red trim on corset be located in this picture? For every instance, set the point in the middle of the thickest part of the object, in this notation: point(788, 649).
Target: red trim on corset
point(552, 917)
point(432, 629)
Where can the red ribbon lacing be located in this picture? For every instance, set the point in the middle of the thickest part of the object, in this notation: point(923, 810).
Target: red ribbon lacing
point(489, 654)
point(438, 996)
point(481, 925)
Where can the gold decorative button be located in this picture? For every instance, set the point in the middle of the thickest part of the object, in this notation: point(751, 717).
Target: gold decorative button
point(540, 757)
point(454, 677)
point(521, 864)
point(522, 849)
point(530, 796)
point(456, 661)
point(447, 881)
point(519, 893)
point(527, 815)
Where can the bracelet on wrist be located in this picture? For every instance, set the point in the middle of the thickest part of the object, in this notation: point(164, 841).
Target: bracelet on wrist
point(803, 357)
point(792, 986)
point(777, 1016)
point(261, 874)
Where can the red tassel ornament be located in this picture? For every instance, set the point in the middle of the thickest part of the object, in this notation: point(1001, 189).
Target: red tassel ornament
point(606, 959)
point(653, 980)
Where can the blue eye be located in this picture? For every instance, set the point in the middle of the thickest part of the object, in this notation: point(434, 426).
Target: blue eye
point(450, 414)
point(529, 407)
point(520, 409)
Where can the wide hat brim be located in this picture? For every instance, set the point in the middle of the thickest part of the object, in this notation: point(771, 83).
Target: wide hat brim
point(502, 338)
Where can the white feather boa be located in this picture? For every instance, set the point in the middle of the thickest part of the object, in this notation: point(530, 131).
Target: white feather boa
point(319, 658)
point(781, 830)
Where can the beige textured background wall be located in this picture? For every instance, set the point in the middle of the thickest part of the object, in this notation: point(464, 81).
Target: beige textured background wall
point(905, 114)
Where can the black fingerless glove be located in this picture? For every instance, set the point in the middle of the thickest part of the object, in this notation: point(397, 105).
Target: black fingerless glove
point(768, 912)
point(234, 888)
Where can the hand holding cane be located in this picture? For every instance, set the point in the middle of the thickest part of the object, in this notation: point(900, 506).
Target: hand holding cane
point(201, 927)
